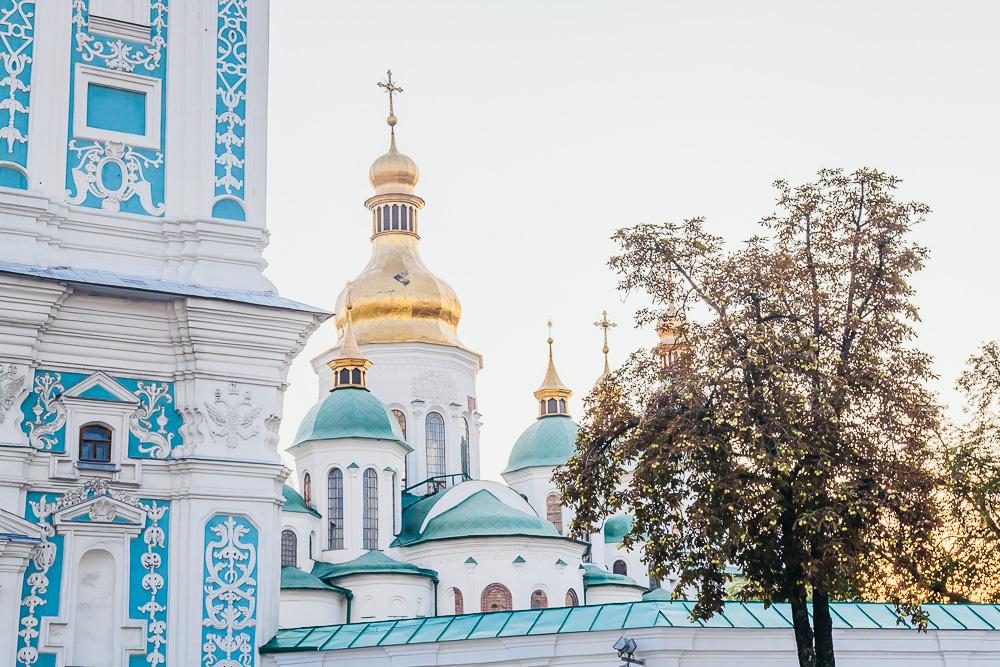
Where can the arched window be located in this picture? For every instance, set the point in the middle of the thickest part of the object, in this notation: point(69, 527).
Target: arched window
point(553, 406)
point(541, 407)
point(288, 547)
point(496, 597)
point(466, 464)
point(401, 418)
point(335, 509)
point(312, 543)
point(307, 489)
point(435, 445)
point(370, 536)
point(395, 216)
point(378, 217)
point(539, 600)
point(620, 567)
point(95, 443)
point(562, 405)
point(553, 511)
point(459, 602)
point(356, 376)
point(571, 599)
point(345, 376)
point(402, 221)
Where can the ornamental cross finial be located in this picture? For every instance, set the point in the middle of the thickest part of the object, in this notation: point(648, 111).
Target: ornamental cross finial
point(549, 324)
point(391, 88)
point(605, 323)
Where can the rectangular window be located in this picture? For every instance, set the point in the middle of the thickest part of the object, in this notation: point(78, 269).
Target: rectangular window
point(116, 109)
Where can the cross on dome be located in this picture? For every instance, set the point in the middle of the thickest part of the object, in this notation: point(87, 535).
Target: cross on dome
point(391, 88)
point(605, 324)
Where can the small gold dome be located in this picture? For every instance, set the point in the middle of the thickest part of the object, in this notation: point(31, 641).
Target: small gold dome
point(393, 172)
point(396, 299)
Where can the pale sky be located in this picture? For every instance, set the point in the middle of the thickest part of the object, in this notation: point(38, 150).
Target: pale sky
point(540, 127)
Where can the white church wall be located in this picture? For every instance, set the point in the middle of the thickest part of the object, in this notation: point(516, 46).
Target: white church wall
point(303, 525)
point(302, 608)
point(352, 457)
point(608, 593)
point(389, 596)
point(495, 564)
point(635, 568)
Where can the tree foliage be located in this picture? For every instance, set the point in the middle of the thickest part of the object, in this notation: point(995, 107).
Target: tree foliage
point(792, 437)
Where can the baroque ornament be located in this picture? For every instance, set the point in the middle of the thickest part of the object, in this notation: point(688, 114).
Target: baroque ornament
point(10, 387)
point(230, 587)
point(50, 415)
point(113, 172)
point(119, 55)
point(17, 38)
point(45, 554)
point(233, 419)
point(157, 443)
point(231, 95)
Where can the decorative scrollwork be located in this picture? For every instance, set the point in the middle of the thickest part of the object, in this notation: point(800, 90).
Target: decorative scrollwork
point(157, 443)
point(50, 415)
point(233, 419)
point(231, 95)
point(17, 38)
point(92, 169)
point(230, 587)
point(117, 54)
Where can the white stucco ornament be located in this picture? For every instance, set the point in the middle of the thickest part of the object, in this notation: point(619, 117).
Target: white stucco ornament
point(233, 419)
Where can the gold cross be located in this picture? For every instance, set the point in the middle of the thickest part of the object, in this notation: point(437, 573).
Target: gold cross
point(549, 323)
point(390, 88)
point(605, 323)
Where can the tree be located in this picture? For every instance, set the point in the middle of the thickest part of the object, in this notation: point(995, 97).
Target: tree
point(965, 566)
point(787, 432)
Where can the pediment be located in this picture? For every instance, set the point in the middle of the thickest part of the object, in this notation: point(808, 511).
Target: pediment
point(101, 387)
point(102, 509)
point(11, 524)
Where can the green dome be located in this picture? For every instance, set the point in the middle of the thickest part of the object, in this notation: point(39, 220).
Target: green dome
point(349, 412)
point(657, 595)
point(616, 528)
point(371, 562)
point(594, 575)
point(292, 578)
point(482, 514)
point(550, 441)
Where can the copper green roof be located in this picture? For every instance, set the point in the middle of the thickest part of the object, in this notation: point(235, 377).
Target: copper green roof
point(594, 575)
point(482, 514)
point(349, 412)
point(371, 562)
point(292, 578)
point(617, 617)
point(616, 528)
point(550, 441)
point(294, 502)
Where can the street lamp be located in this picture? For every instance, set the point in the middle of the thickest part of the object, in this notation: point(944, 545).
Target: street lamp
point(626, 650)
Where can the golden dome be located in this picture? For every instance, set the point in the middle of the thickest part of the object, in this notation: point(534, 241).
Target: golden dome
point(397, 299)
point(393, 172)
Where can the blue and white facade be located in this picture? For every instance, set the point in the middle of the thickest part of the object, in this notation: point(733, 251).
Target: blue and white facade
point(140, 480)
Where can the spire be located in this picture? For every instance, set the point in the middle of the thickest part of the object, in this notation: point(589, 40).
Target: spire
point(553, 394)
point(350, 367)
point(605, 324)
point(671, 329)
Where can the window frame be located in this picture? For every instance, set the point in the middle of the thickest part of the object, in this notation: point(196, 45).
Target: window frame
point(334, 510)
point(110, 443)
point(289, 548)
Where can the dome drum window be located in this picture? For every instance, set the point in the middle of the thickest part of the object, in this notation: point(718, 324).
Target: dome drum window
point(289, 546)
point(394, 218)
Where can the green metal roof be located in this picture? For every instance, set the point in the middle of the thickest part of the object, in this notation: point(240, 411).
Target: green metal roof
point(657, 595)
point(617, 616)
point(294, 502)
point(482, 514)
point(594, 575)
point(616, 528)
point(550, 441)
point(371, 562)
point(292, 578)
point(349, 412)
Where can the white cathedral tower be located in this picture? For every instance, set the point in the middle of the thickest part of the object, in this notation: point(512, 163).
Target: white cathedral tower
point(143, 355)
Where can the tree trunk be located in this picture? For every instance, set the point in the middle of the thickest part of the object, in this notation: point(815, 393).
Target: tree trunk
point(803, 633)
point(823, 625)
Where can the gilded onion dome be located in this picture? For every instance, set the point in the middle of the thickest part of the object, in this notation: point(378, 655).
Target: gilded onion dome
point(396, 298)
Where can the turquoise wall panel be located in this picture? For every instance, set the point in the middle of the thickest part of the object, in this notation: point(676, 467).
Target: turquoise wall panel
point(17, 45)
point(116, 109)
point(231, 110)
point(229, 618)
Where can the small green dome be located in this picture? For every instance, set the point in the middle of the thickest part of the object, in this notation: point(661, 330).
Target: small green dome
point(657, 595)
point(294, 502)
point(616, 528)
point(482, 514)
point(594, 575)
point(349, 412)
point(550, 441)
point(371, 562)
